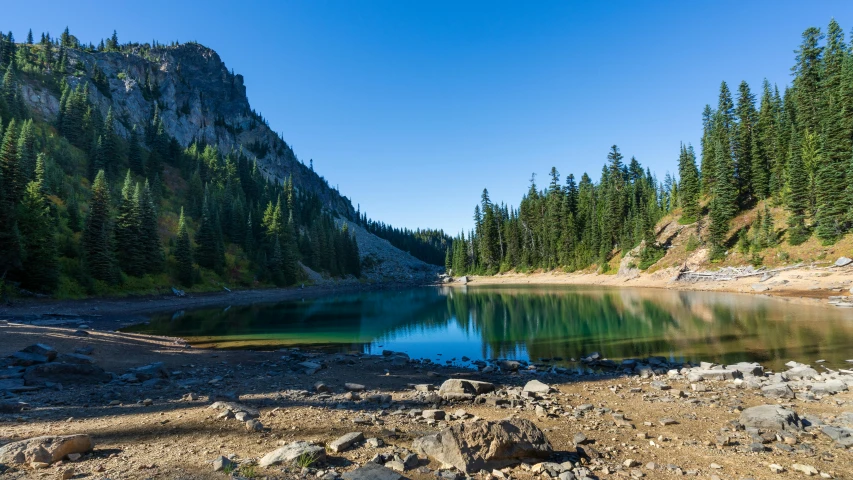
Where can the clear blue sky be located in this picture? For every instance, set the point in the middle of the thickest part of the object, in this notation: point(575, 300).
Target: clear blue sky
point(412, 107)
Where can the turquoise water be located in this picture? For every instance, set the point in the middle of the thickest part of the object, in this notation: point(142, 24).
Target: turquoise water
point(532, 323)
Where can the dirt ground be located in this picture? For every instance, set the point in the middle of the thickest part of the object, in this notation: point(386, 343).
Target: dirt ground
point(169, 436)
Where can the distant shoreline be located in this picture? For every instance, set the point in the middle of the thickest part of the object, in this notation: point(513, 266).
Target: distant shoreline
point(119, 312)
point(814, 285)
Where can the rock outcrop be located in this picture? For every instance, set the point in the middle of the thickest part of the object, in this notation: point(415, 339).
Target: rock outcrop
point(485, 445)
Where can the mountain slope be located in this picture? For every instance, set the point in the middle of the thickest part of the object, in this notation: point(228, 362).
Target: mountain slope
point(199, 99)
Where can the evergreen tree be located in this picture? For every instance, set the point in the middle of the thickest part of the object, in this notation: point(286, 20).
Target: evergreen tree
point(36, 226)
point(183, 253)
point(208, 252)
point(152, 250)
point(798, 196)
point(98, 233)
point(723, 201)
point(128, 229)
point(689, 188)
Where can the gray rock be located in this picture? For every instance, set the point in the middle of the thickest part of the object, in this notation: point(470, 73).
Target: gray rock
point(310, 365)
point(221, 463)
point(234, 407)
point(801, 372)
point(321, 387)
point(843, 262)
point(291, 452)
point(485, 445)
point(43, 350)
point(535, 386)
point(254, 425)
point(758, 287)
point(777, 390)
point(509, 365)
point(147, 372)
point(830, 387)
point(346, 441)
point(460, 389)
point(48, 449)
point(434, 414)
point(770, 417)
point(841, 435)
point(750, 369)
point(354, 387)
point(372, 471)
point(25, 359)
point(719, 374)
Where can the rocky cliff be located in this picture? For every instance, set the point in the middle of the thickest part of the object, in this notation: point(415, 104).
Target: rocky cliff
point(198, 99)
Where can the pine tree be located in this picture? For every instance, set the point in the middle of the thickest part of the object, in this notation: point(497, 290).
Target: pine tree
point(798, 196)
point(152, 250)
point(26, 153)
point(36, 226)
point(128, 229)
point(183, 253)
point(746, 116)
point(98, 233)
point(208, 253)
point(807, 80)
point(689, 188)
point(723, 202)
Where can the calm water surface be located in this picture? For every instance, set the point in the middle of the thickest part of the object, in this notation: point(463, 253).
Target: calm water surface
point(530, 323)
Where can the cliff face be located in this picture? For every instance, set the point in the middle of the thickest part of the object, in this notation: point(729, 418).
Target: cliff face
point(199, 99)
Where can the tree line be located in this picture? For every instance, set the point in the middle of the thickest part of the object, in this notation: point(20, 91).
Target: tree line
point(790, 149)
point(84, 210)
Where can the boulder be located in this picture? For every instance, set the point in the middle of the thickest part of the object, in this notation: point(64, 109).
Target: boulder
point(25, 359)
point(509, 365)
point(462, 389)
point(65, 373)
point(372, 471)
point(291, 452)
point(801, 372)
point(485, 445)
point(41, 349)
point(841, 435)
point(535, 386)
point(346, 441)
point(777, 390)
point(830, 387)
point(47, 449)
point(153, 370)
point(843, 262)
point(749, 369)
point(771, 417)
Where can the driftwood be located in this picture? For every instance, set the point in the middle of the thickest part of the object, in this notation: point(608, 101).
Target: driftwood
point(729, 273)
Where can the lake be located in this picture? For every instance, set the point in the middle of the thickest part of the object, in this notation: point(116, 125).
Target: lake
point(531, 323)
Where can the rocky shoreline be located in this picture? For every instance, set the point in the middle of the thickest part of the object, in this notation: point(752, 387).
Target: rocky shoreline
point(114, 413)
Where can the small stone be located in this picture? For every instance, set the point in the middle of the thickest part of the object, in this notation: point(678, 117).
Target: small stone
point(375, 442)
point(67, 474)
point(74, 457)
point(667, 421)
point(254, 425)
point(775, 468)
point(354, 387)
point(346, 441)
point(580, 439)
point(630, 463)
point(808, 470)
point(221, 463)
